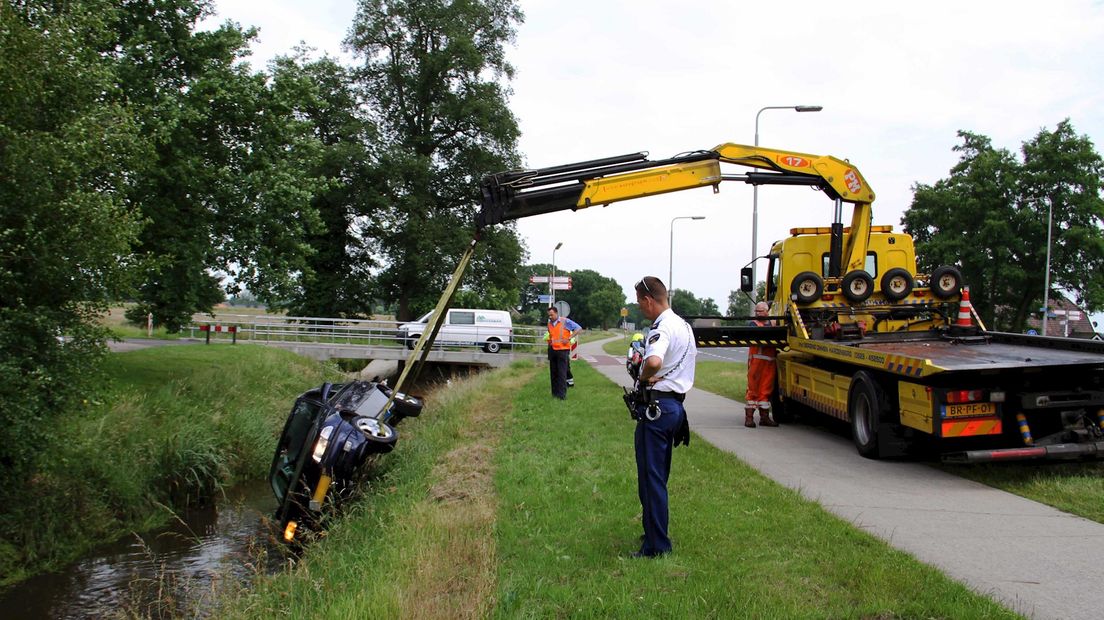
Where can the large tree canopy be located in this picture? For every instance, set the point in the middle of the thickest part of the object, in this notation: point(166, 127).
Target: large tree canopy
point(228, 186)
point(989, 217)
point(65, 227)
point(431, 76)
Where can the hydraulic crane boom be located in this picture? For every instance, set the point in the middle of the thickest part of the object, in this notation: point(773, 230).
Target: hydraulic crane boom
point(522, 193)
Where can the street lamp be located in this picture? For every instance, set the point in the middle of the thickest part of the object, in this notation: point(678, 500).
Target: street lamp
point(551, 286)
point(755, 188)
point(671, 263)
point(1046, 278)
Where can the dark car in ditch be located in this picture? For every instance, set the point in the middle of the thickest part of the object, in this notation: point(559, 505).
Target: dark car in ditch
point(329, 434)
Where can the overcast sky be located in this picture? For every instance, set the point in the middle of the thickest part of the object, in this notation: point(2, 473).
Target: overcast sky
point(896, 80)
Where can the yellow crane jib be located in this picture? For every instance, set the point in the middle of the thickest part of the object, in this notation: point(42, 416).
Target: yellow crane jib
point(522, 193)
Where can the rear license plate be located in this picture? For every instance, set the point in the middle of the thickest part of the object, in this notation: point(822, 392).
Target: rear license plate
point(969, 410)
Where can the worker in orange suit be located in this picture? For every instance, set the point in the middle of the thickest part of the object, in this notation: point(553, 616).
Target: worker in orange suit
point(760, 376)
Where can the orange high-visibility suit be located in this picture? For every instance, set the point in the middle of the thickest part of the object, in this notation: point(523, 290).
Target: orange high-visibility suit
point(760, 376)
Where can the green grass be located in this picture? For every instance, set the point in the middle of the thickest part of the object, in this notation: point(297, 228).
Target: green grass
point(565, 513)
point(617, 347)
point(175, 425)
point(728, 379)
point(1076, 488)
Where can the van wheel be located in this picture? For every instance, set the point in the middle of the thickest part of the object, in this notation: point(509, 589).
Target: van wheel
point(865, 407)
point(410, 342)
point(492, 346)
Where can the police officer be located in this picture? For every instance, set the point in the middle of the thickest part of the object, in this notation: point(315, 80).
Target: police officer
point(668, 367)
point(560, 332)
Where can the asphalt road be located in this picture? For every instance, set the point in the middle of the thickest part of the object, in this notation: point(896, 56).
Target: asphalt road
point(133, 344)
point(1039, 561)
point(724, 355)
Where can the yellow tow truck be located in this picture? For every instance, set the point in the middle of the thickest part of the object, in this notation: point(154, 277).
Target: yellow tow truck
point(898, 354)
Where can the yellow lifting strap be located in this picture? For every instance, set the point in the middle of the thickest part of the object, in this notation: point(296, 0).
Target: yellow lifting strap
point(422, 348)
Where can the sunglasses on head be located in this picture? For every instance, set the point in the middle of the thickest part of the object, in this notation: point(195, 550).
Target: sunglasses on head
point(644, 283)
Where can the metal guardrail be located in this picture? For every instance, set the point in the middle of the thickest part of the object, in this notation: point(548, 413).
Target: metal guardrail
point(362, 332)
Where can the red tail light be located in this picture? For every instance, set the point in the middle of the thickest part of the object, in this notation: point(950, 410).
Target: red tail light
point(964, 396)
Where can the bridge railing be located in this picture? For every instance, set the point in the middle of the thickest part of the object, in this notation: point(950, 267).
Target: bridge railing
point(356, 332)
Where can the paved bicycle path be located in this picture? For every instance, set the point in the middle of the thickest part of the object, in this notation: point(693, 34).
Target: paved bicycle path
point(1039, 561)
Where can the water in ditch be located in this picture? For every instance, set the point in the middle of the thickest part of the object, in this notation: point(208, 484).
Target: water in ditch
point(172, 571)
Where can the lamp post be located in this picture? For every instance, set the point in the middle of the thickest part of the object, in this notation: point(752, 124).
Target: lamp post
point(551, 289)
point(1046, 278)
point(671, 263)
point(755, 188)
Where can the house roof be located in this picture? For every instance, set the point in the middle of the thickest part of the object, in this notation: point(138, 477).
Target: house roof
point(1060, 308)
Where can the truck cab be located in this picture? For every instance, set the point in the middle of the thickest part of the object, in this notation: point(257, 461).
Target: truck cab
point(799, 273)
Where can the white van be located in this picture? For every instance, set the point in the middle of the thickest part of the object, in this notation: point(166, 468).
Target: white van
point(490, 329)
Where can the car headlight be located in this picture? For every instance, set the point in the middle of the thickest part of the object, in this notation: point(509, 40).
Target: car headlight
point(322, 443)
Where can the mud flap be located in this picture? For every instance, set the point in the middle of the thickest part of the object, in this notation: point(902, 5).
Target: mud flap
point(894, 440)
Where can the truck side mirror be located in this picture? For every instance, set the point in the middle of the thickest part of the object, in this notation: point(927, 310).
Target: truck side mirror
point(746, 285)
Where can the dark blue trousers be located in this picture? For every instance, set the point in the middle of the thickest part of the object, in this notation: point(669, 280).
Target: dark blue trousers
point(558, 367)
point(654, 440)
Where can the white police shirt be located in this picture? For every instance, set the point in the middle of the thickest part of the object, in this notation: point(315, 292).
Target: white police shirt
point(672, 340)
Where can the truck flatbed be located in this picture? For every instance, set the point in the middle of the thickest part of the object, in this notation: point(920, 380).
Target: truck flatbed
point(996, 351)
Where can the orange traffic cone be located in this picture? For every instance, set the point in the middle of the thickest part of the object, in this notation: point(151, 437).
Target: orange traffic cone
point(964, 309)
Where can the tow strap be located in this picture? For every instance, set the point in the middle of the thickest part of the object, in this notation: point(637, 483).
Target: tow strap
point(418, 356)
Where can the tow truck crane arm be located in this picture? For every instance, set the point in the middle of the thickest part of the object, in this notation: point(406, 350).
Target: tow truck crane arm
point(522, 193)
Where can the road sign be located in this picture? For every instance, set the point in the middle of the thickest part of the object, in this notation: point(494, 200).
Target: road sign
point(624, 312)
point(561, 286)
point(544, 299)
point(563, 308)
point(538, 279)
point(561, 280)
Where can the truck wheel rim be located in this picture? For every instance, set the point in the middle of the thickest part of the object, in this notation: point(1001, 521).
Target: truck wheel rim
point(862, 420)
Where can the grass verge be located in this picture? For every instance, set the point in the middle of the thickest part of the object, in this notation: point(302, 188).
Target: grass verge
point(175, 424)
point(434, 539)
point(420, 542)
point(1076, 488)
point(744, 546)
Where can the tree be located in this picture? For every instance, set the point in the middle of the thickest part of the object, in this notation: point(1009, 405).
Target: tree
point(1062, 171)
point(1002, 205)
point(225, 192)
point(595, 300)
point(66, 149)
point(739, 304)
point(337, 280)
point(431, 74)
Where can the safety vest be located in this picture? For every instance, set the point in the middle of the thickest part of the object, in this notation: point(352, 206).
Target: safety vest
point(761, 352)
point(559, 336)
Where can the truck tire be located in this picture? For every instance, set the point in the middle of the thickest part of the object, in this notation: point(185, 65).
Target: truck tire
point(857, 286)
point(945, 282)
point(897, 284)
point(865, 407)
point(492, 346)
point(807, 287)
point(783, 410)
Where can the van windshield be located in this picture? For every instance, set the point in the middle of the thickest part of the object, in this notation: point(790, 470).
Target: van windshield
point(424, 318)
